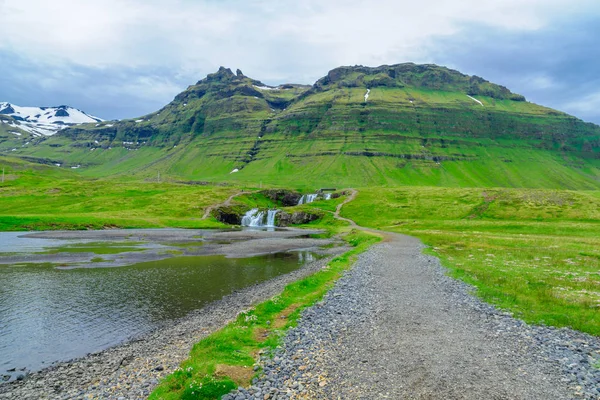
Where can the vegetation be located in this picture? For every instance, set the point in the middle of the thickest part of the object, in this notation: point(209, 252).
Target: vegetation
point(533, 252)
point(41, 197)
point(224, 360)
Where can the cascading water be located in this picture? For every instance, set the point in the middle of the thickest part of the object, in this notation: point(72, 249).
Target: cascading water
point(327, 196)
point(271, 218)
point(256, 218)
point(307, 198)
point(253, 218)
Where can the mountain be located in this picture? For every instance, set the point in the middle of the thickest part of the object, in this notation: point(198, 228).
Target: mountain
point(43, 120)
point(403, 124)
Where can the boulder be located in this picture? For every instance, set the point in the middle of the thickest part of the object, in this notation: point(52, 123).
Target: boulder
point(283, 197)
point(231, 215)
point(296, 218)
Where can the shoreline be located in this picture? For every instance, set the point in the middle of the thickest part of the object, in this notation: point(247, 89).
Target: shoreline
point(131, 369)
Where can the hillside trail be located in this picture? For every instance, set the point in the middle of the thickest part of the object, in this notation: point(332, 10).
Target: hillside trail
point(223, 204)
point(425, 336)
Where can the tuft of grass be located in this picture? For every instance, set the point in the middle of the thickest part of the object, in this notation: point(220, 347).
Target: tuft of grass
point(239, 343)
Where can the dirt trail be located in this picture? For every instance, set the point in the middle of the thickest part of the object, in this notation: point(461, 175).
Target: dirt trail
point(225, 203)
point(353, 194)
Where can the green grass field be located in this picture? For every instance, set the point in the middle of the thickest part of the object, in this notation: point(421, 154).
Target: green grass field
point(535, 252)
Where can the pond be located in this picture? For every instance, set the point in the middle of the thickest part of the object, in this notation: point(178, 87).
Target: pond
point(49, 313)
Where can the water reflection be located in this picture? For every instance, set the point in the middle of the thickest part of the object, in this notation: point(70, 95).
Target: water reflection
point(48, 314)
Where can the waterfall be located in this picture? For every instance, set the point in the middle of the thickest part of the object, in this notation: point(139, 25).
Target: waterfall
point(307, 198)
point(253, 218)
point(256, 218)
point(271, 218)
point(327, 196)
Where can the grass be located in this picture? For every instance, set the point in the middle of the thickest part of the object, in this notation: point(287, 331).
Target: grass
point(225, 359)
point(46, 198)
point(535, 253)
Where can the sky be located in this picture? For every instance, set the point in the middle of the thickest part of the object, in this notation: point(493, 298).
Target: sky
point(125, 58)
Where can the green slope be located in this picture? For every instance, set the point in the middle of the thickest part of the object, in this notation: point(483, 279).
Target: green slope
point(421, 125)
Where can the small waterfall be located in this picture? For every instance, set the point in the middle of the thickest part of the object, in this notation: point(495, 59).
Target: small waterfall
point(271, 218)
point(256, 218)
point(327, 196)
point(253, 218)
point(307, 198)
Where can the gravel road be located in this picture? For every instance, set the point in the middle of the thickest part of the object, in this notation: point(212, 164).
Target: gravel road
point(397, 327)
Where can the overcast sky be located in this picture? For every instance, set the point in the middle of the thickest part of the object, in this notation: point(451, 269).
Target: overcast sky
point(126, 58)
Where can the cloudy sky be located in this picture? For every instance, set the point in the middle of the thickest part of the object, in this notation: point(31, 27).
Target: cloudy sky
point(126, 58)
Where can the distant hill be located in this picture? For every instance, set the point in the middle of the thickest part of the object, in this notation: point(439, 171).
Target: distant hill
point(404, 124)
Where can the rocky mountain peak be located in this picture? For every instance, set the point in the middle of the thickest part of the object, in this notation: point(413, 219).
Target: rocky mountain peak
point(427, 76)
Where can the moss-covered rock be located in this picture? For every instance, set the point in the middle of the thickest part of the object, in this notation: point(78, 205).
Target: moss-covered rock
point(283, 197)
point(297, 218)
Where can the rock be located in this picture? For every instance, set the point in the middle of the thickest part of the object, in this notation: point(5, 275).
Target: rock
point(283, 197)
point(159, 368)
point(296, 218)
point(231, 215)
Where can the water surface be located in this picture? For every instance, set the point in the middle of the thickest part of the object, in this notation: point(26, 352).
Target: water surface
point(49, 314)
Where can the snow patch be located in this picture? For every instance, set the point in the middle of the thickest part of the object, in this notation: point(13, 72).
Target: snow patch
point(54, 118)
point(475, 100)
point(265, 87)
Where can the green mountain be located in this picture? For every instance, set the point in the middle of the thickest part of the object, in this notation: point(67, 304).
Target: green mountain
point(403, 124)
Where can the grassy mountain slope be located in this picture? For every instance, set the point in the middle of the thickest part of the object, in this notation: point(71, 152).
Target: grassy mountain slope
point(420, 125)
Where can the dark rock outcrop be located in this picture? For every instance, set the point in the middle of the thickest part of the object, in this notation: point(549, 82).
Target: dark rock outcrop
point(283, 197)
point(231, 215)
point(296, 218)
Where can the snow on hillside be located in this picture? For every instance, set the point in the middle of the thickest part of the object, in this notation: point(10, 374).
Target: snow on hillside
point(44, 120)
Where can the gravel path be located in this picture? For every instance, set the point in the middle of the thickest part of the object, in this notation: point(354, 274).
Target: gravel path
point(397, 327)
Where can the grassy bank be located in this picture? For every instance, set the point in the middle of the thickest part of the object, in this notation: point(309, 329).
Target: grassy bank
point(533, 252)
point(225, 359)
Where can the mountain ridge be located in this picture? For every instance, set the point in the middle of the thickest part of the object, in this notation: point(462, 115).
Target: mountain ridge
point(387, 125)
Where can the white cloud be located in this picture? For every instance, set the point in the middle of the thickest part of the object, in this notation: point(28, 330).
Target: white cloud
point(196, 35)
point(146, 51)
point(587, 104)
point(540, 82)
